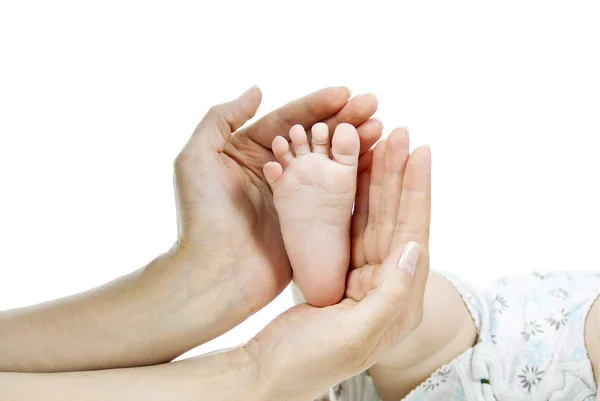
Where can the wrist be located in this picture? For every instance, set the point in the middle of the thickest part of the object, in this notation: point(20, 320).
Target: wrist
point(228, 375)
point(198, 294)
point(248, 374)
point(206, 277)
point(246, 289)
point(289, 376)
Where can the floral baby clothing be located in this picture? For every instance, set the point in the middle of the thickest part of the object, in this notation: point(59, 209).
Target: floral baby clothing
point(531, 344)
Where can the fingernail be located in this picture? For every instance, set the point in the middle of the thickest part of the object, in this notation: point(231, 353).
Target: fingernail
point(249, 90)
point(428, 148)
point(409, 258)
point(375, 96)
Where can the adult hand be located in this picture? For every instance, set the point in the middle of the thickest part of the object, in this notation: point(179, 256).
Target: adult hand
point(393, 207)
point(228, 263)
point(306, 350)
point(226, 215)
point(394, 210)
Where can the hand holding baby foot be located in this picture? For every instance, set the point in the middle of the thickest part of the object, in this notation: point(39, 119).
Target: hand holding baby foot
point(308, 349)
point(393, 207)
point(313, 194)
point(385, 288)
point(220, 170)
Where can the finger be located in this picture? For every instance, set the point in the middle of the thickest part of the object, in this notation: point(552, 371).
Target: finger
point(215, 129)
point(414, 213)
point(365, 279)
point(357, 111)
point(345, 145)
point(359, 221)
point(320, 139)
point(420, 278)
point(305, 111)
point(365, 161)
point(281, 150)
point(396, 156)
point(375, 186)
point(299, 140)
point(369, 132)
point(360, 281)
point(384, 304)
point(272, 171)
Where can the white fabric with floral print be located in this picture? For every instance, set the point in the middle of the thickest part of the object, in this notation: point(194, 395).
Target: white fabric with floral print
point(531, 344)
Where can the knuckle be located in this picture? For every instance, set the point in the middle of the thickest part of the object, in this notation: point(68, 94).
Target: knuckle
point(215, 110)
point(283, 123)
point(220, 116)
point(179, 162)
point(387, 220)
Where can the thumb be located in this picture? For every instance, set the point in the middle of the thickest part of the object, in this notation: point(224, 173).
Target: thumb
point(215, 129)
point(384, 305)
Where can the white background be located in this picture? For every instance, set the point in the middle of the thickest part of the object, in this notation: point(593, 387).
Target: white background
point(97, 98)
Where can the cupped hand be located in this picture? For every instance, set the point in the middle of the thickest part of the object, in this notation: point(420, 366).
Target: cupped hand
point(393, 207)
point(306, 350)
point(226, 215)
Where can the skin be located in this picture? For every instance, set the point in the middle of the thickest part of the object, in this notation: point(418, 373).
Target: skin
point(157, 313)
point(393, 206)
point(405, 345)
point(313, 191)
point(269, 367)
point(162, 304)
point(247, 227)
point(433, 326)
point(592, 341)
point(346, 321)
point(446, 328)
point(393, 323)
point(208, 377)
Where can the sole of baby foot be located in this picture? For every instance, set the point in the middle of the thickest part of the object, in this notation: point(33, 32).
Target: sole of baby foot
point(314, 185)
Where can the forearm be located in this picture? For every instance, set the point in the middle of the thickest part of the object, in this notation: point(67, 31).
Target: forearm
point(148, 317)
point(447, 330)
point(228, 376)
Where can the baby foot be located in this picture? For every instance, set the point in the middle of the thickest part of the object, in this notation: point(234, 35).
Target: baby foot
point(313, 194)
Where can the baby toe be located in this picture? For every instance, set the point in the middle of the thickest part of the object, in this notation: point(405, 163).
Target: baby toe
point(299, 140)
point(281, 150)
point(320, 139)
point(345, 145)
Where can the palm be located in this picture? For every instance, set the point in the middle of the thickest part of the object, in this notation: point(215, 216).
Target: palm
point(376, 321)
point(256, 237)
point(227, 211)
point(341, 352)
point(304, 325)
point(292, 337)
point(397, 185)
